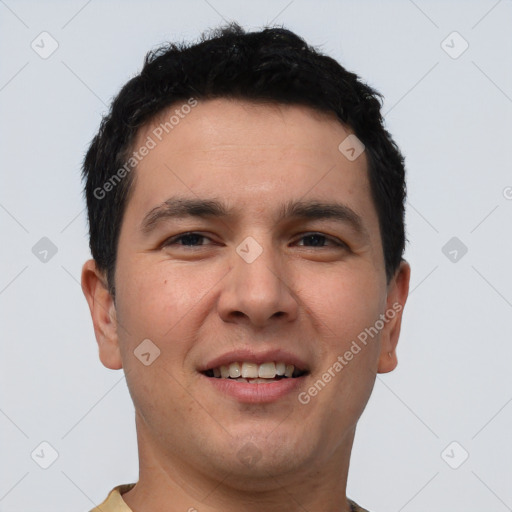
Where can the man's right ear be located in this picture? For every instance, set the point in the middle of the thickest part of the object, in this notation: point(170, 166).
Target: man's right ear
point(103, 313)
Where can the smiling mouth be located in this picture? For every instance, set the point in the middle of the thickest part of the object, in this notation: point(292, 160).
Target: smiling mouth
point(254, 373)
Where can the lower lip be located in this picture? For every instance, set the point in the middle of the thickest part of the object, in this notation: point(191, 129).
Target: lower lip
point(264, 392)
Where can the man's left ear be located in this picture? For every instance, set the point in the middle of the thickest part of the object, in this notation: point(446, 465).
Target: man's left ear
point(398, 290)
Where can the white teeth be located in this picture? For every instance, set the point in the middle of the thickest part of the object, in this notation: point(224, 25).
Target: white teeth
point(249, 370)
point(256, 372)
point(280, 368)
point(267, 370)
point(234, 370)
point(260, 381)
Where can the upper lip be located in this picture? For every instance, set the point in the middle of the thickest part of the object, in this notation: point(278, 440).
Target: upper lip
point(252, 356)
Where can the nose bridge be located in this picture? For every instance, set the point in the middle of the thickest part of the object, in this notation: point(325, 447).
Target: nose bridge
point(257, 283)
point(257, 269)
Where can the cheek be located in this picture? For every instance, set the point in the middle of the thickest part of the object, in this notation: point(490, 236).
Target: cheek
point(158, 298)
point(157, 303)
point(345, 302)
point(345, 305)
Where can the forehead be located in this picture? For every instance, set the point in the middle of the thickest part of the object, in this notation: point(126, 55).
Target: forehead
point(256, 155)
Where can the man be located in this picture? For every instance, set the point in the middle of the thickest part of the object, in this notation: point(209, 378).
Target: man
point(246, 211)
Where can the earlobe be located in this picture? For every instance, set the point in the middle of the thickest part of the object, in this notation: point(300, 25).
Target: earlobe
point(387, 362)
point(103, 314)
point(398, 290)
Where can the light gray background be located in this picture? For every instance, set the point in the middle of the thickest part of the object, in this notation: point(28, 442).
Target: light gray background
point(452, 119)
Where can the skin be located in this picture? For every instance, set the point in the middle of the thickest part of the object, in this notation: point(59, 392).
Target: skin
point(200, 301)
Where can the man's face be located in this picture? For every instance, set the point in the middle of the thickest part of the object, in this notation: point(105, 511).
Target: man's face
point(251, 286)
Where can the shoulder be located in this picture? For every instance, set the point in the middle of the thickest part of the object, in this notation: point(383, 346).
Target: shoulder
point(114, 502)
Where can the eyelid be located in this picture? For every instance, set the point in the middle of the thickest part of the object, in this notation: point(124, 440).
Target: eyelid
point(333, 239)
point(336, 241)
point(174, 238)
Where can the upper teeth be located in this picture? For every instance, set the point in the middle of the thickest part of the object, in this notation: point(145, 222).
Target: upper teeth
point(253, 371)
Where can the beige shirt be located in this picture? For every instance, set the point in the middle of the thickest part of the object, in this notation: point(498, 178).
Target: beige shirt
point(115, 502)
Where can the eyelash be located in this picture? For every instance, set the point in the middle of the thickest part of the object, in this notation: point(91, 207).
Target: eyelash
point(174, 239)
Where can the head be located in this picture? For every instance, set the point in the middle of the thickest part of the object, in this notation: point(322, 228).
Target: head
point(245, 142)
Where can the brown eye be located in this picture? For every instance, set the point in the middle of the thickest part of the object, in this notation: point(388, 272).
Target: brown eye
point(187, 240)
point(318, 240)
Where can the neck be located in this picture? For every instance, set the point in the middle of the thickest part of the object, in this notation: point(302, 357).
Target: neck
point(172, 484)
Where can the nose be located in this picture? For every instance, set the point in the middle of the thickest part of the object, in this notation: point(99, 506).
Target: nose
point(258, 293)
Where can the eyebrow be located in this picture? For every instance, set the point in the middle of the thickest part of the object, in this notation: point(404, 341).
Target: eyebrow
point(180, 208)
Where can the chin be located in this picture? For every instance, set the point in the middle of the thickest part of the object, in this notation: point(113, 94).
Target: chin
point(262, 474)
point(252, 459)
